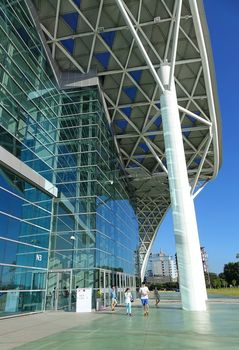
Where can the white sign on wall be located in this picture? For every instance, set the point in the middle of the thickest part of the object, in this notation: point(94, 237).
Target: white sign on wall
point(38, 257)
point(12, 302)
point(83, 299)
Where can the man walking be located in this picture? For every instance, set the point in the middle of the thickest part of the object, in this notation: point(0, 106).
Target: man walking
point(144, 296)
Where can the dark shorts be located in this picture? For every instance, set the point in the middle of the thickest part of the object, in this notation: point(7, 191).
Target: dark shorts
point(144, 301)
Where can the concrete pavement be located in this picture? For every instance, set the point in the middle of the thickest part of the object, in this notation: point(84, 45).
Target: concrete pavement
point(167, 327)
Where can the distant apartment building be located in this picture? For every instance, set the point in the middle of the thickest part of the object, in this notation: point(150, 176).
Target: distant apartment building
point(204, 256)
point(162, 266)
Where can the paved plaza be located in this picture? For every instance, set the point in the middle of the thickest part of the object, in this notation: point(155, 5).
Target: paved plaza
point(167, 327)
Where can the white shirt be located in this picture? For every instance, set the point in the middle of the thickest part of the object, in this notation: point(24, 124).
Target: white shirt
point(128, 297)
point(144, 291)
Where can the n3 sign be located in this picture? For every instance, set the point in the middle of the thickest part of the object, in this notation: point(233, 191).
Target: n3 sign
point(38, 257)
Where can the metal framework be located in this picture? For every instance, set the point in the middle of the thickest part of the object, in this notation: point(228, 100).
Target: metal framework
point(127, 49)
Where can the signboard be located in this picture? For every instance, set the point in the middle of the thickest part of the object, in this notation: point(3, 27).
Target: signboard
point(38, 257)
point(83, 299)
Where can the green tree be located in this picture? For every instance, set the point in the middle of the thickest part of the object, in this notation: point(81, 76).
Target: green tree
point(224, 283)
point(234, 282)
point(221, 275)
point(216, 283)
point(215, 280)
point(231, 272)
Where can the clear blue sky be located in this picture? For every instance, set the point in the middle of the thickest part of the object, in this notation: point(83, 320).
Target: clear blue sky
point(217, 206)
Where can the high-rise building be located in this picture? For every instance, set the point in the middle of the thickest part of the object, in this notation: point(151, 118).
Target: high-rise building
point(162, 265)
point(204, 259)
point(102, 126)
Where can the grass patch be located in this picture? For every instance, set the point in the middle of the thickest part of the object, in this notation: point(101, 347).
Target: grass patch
point(230, 292)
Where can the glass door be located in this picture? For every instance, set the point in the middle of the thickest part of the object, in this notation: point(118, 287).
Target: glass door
point(107, 289)
point(64, 291)
point(102, 285)
point(59, 290)
point(105, 286)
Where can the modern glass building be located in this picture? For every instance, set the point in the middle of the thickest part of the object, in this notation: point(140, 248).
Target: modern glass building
point(66, 217)
point(87, 173)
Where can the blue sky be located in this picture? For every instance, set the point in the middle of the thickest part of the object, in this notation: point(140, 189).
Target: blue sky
point(217, 206)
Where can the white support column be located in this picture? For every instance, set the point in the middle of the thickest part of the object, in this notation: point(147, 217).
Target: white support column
point(192, 283)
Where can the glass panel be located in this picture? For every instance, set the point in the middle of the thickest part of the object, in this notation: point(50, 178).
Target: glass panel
point(52, 294)
point(59, 291)
point(64, 288)
point(14, 302)
point(15, 277)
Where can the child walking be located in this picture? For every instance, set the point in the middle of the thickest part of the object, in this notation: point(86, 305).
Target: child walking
point(128, 298)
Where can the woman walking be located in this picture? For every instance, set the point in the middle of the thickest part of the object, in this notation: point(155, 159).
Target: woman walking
point(128, 298)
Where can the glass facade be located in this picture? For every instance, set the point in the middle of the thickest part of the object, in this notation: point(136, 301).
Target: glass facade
point(87, 236)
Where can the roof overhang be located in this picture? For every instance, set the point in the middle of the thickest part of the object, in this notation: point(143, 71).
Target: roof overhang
point(85, 36)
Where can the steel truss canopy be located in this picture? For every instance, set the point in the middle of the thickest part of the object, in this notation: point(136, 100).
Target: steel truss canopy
point(94, 36)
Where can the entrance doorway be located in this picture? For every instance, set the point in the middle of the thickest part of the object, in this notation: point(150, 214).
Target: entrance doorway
point(118, 279)
point(59, 290)
point(105, 283)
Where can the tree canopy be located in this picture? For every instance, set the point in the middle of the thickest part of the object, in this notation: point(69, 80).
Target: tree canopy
point(231, 273)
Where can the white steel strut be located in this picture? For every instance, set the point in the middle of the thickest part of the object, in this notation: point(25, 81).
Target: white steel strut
point(191, 276)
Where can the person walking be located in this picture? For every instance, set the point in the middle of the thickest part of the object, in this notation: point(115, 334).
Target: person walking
point(144, 296)
point(113, 298)
point(157, 296)
point(65, 294)
point(53, 298)
point(128, 299)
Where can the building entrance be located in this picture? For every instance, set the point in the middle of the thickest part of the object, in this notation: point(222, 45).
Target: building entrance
point(118, 279)
point(59, 290)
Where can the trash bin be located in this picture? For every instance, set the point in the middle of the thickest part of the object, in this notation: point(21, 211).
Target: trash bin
point(98, 304)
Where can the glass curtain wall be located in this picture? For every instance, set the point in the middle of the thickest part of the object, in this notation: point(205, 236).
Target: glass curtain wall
point(88, 235)
point(95, 226)
point(29, 104)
